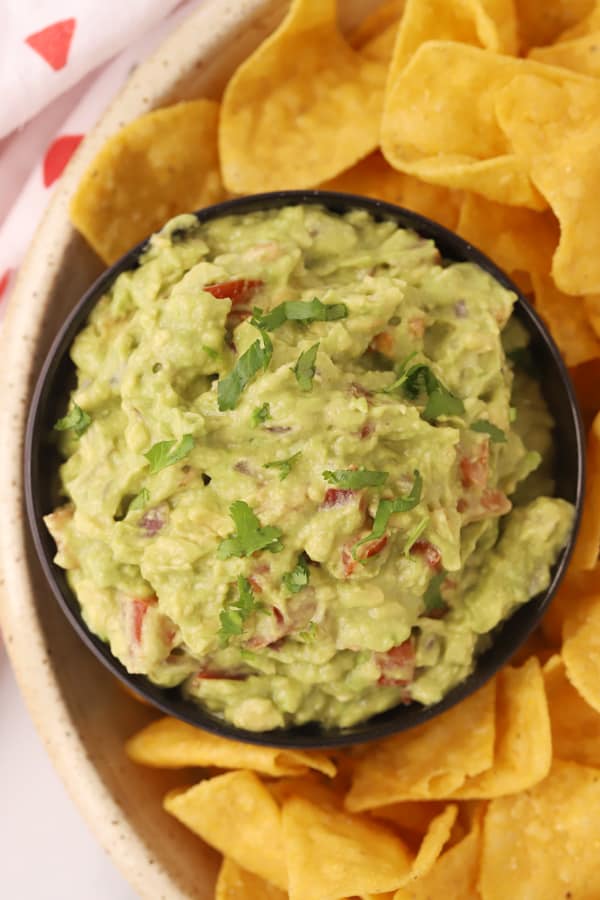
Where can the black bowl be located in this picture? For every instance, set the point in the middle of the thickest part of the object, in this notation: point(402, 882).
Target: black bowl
point(41, 464)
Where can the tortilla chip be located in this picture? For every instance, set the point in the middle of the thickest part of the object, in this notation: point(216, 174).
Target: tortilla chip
point(374, 177)
point(567, 319)
point(157, 166)
point(554, 128)
point(580, 55)
point(453, 876)
point(581, 650)
point(302, 108)
point(482, 23)
point(235, 883)
point(584, 25)
point(575, 724)
point(542, 21)
point(517, 240)
point(376, 23)
point(435, 840)
point(462, 145)
point(171, 744)
point(586, 379)
point(430, 761)
point(311, 787)
point(535, 645)
point(585, 554)
point(545, 842)
point(236, 814)
point(592, 308)
point(333, 854)
point(574, 590)
point(413, 816)
point(523, 752)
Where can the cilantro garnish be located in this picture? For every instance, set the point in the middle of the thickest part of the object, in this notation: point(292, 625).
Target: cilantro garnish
point(304, 370)
point(433, 598)
point(355, 479)
point(234, 616)
point(415, 534)
point(284, 465)
point(310, 633)
point(496, 435)
point(249, 535)
point(298, 578)
point(299, 311)
point(256, 357)
point(140, 501)
point(210, 351)
point(261, 414)
point(164, 453)
point(387, 508)
point(418, 379)
point(77, 419)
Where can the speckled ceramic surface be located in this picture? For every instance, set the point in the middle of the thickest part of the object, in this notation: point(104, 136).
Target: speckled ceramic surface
point(80, 712)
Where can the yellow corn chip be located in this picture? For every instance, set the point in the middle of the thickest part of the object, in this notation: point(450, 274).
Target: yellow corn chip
point(517, 240)
point(586, 379)
point(567, 319)
point(581, 650)
point(376, 23)
point(430, 761)
point(236, 814)
point(542, 21)
point(545, 842)
point(483, 23)
point(304, 107)
point(592, 308)
point(575, 725)
point(436, 838)
point(332, 854)
point(554, 127)
point(453, 876)
point(157, 166)
point(580, 55)
point(458, 143)
point(523, 752)
point(574, 591)
point(374, 177)
point(585, 555)
point(171, 744)
point(585, 24)
point(412, 816)
point(235, 883)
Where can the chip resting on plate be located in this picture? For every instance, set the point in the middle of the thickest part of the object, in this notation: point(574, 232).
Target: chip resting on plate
point(157, 166)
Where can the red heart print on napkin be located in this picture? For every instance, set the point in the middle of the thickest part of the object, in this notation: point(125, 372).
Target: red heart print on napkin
point(53, 43)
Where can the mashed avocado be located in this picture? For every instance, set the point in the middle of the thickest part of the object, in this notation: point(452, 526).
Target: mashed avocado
point(300, 472)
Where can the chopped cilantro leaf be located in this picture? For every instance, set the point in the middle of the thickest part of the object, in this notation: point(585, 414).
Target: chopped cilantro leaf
point(310, 633)
point(298, 578)
point(415, 534)
point(77, 419)
point(418, 379)
point(299, 311)
point(140, 501)
point(496, 435)
point(261, 414)
point(354, 479)
point(164, 453)
point(256, 357)
point(387, 508)
point(433, 598)
point(234, 616)
point(284, 465)
point(304, 370)
point(210, 351)
point(249, 535)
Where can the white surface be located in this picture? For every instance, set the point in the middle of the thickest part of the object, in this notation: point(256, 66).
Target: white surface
point(48, 852)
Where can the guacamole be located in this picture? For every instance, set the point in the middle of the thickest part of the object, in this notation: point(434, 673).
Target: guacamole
point(306, 474)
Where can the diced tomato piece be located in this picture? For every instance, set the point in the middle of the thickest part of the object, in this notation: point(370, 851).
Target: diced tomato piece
point(397, 666)
point(372, 548)
point(348, 562)
point(474, 471)
point(366, 430)
point(337, 497)
point(429, 552)
point(279, 617)
point(384, 343)
point(239, 291)
point(496, 502)
point(139, 609)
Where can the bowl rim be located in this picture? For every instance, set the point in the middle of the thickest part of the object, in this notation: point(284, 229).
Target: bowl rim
point(169, 701)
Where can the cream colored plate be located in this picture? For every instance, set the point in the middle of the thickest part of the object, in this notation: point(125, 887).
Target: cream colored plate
point(80, 712)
